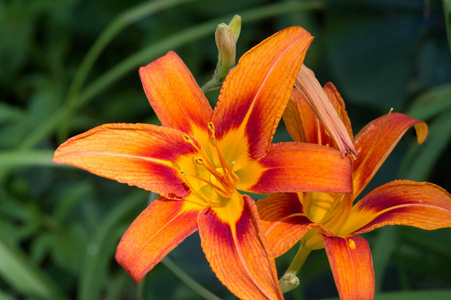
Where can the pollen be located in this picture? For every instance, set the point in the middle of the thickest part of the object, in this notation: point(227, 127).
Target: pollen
point(351, 244)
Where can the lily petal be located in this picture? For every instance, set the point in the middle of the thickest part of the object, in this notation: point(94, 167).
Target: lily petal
point(402, 202)
point(155, 232)
point(137, 154)
point(282, 215)
point(376, 141)
point(256, 92)
point(352, 266)
point(237, 253)
point(295, 167)
point(174, 94)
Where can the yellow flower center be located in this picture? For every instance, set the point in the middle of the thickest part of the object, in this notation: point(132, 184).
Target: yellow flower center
point(211, 179)
point(332, 210)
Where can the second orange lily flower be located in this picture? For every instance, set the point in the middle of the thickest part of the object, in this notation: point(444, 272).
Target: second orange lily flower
point(200, 157)
point(329, 220)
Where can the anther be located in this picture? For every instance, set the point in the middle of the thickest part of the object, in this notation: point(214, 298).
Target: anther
point(190, 141)
point(199, 160)
point(351, 244)
point(211, 127)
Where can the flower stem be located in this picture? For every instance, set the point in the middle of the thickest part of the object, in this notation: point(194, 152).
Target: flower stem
point(194, 285)
point(211, 85)
point(289, 280)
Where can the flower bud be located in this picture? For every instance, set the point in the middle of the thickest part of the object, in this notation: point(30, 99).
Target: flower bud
point(235, 26)
point(226, 37)
point(225, 41)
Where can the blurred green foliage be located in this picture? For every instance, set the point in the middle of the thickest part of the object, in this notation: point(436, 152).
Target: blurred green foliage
point(69, 65)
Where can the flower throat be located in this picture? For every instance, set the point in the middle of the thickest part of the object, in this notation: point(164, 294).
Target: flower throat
point(222, 178)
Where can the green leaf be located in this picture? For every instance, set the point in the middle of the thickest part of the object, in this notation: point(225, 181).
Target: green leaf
point(371, 53)
point(9, 113)
point(101, 243)
point(24, 275)
point(447, 11)
point(421, 159)
point(381, 252)
point(431, 103)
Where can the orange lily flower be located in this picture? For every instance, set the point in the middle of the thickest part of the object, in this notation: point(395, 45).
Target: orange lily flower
point(329, 220)
point(200, 157)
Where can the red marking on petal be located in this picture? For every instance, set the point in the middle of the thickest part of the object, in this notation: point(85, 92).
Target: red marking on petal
point(403, 202)
point(376, 141)
point(283, 221)
point(238, 255)
point(136, 154)
point(256, 92)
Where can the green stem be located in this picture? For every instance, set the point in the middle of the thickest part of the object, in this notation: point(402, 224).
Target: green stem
point(211, 85)
point(289, 280)
point(194, 285)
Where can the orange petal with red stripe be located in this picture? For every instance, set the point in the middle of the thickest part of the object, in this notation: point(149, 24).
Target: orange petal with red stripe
point(256, 92)
point(237, 252)
point(283, 221)
point(352, 266)
point(402, 202)
point(295, 167)
point(155, 232)
point(174, 94)
point(376, 141)
point(137, 154)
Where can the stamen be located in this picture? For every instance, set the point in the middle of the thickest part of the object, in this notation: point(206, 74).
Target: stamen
point(218, 176)
point(211, 127)
point(189, 140)
point(224, 166)
point(226, 179)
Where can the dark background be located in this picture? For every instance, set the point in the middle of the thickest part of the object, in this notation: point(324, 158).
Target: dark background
point(69, 65)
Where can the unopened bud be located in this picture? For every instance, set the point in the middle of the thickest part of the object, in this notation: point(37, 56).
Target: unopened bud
point(226, 37)
point(235, 26)
point(225, 41)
